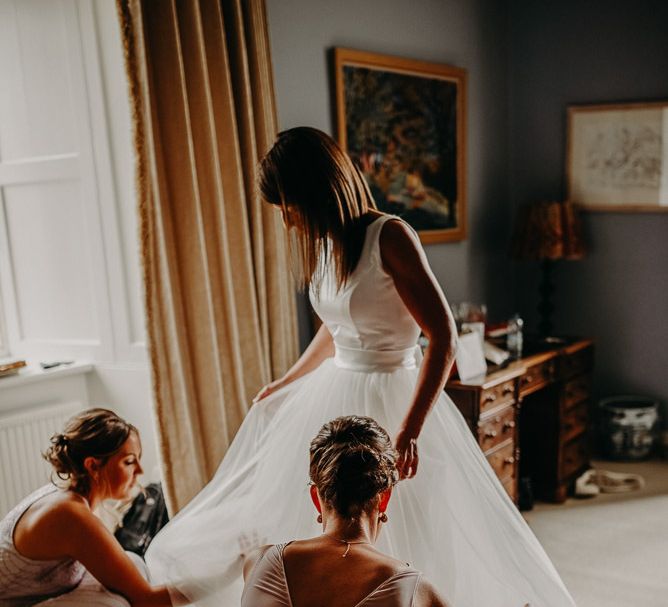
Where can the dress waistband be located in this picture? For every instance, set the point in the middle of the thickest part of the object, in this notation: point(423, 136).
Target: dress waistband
point(377, 360)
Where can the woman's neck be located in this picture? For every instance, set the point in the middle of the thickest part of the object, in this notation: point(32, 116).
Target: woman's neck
point(93, 498)
point(363, 528)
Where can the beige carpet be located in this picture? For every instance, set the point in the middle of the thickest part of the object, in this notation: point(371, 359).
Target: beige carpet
point(611, 550)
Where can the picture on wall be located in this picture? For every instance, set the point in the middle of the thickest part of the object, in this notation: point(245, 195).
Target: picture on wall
point(403, 122)
point(616, 156)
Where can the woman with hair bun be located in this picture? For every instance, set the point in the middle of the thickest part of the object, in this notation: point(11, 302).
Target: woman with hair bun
point(52, 538)
point(353, 470)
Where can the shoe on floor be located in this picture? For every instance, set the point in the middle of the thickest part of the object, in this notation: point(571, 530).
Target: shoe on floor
point(593, 482)
point(585, 485)
point(618, 482)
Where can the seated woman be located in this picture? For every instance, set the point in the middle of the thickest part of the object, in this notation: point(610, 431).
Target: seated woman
point(51, 539)
point(353, 470)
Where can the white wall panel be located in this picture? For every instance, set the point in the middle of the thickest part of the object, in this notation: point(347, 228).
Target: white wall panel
point(70, 277)
point(49, 255)
point(53, 269)
point(37, 116)
point(114, 82)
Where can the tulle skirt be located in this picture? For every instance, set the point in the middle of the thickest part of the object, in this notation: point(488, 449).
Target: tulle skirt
point(453, 521)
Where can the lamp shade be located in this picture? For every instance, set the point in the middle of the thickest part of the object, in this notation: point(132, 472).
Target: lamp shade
point(548, 230)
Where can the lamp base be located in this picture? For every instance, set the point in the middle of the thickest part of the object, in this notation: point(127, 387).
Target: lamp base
point(545, 306)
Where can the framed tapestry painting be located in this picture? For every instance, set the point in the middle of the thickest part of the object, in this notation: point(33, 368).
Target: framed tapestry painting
point(403, 122)
point(617, 157)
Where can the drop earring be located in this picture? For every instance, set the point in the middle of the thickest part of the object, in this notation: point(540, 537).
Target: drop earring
point(383, 517)
point(319, 519)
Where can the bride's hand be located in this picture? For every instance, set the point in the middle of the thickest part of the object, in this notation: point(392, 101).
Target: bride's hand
point(269, 389)
point(407, 464)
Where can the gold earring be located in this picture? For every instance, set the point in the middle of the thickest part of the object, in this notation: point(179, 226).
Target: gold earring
point(383, 517)
point(319, 519)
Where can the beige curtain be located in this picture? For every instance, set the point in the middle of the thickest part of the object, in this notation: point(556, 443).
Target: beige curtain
point(219, 297)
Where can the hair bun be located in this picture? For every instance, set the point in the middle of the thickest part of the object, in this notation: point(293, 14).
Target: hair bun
point(94, 432)
point(352, 461)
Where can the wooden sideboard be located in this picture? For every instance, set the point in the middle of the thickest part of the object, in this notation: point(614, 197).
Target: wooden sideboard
point(530, 418)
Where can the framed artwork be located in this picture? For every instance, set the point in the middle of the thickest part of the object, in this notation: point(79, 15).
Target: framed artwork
point(616, 157)
point(403, 122)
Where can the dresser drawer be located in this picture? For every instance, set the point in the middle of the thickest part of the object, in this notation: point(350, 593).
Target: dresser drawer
point(497, 395)
point(576, 363)
point(503, 460)
point(496, 427)
point(575, 457)
point(536, 377)
point(575, 391)
point(574, 422)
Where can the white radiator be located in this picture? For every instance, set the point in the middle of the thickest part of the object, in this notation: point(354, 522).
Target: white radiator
point(24, 436)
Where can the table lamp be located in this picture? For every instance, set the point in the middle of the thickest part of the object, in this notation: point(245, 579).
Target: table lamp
point(545, 232)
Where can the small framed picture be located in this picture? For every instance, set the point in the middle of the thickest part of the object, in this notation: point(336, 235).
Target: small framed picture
point(617, 157)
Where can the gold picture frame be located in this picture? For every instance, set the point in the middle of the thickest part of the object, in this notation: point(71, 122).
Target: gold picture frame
point(403, 122)
point(616, 157)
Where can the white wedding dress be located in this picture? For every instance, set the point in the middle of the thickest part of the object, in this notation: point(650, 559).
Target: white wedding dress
point(453, 521)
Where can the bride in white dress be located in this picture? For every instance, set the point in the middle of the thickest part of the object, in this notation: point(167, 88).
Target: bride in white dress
point(370, 283)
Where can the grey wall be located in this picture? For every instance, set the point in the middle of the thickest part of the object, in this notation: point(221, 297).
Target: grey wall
point(527, 61)
point(469, 34)
point(565, 52)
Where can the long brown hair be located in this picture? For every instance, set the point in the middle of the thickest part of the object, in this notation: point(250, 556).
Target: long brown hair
point(323, 195)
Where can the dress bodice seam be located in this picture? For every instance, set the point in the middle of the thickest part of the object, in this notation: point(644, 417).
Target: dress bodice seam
point(371, 240)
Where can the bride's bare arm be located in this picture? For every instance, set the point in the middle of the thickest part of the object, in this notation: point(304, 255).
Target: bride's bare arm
point(405, 260)
point(320, 348)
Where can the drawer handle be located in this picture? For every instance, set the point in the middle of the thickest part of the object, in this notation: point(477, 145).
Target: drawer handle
point(527, 379)
point(508, 390)
point(509, 425)
point(490, 398)
point(509, 461)
point(491, 433)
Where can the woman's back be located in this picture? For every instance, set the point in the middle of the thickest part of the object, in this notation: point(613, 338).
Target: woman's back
point(367, 313)
point(24, 580)
point(312, 572)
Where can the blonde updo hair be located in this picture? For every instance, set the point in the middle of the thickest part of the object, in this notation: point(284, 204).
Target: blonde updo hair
point(352, 462)
point(98, 433)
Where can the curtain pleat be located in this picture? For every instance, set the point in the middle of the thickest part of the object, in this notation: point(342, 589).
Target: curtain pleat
point(219, 297)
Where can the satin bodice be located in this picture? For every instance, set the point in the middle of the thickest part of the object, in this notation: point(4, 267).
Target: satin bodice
point(370, 324)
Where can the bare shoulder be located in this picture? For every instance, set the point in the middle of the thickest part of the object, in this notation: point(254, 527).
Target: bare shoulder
point(426, 595)
point(253, 558)
point(48, 527)
point(55, 508)
point(400, 247)
point(396, 232)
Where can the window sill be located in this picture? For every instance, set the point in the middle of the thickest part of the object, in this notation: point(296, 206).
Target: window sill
point(33, 373)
